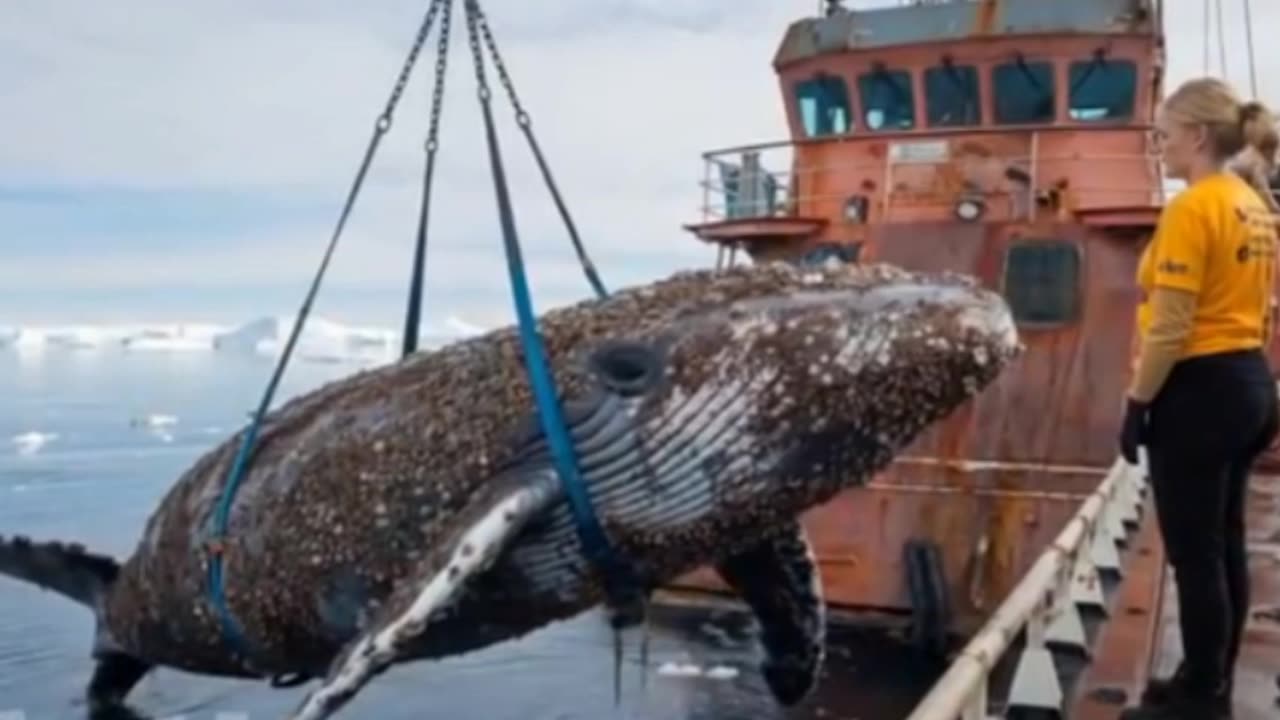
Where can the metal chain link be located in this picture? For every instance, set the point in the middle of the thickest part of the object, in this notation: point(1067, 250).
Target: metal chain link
point(473, 11)
point(476, 20)
point(383, 123)
point(442, 62)
point(619, 578)
point(417, 280)
point(222, 512)
point(522, 117)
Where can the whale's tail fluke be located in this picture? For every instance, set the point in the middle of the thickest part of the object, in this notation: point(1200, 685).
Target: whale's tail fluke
point(72, 571)
point(67, 569)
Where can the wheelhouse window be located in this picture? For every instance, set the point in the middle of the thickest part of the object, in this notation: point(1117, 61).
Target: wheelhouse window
point(1024, 92)
point(951, 95)
point(1102, 89)
point(1042, 282)
point(888, 101)
point(823, 104)
point(846, 253)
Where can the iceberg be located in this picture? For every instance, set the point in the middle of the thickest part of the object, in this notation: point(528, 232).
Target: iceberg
point(463, 328)
point(29, 443)
point(322, 339)
point(130, 336)
point(154, 420)
point(172, 338)
point(79, 337)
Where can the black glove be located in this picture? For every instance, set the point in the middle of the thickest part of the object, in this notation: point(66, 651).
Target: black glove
point(1133, 431)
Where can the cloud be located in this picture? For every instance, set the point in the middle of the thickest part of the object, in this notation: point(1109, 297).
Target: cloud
point(201, 145)
point(195, 148)
point(1186, 34)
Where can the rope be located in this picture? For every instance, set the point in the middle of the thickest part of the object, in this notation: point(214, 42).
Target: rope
point(216, 542)
point(1222, 41)
point(1206, 25)
point(1248, 35)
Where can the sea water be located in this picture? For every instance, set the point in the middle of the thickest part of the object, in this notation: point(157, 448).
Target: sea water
point(91, 439)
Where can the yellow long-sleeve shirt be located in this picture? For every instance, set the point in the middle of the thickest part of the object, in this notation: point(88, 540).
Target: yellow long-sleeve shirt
point(1207, 276)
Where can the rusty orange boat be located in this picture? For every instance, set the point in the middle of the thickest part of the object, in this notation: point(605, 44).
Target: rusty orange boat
point(1010, 140)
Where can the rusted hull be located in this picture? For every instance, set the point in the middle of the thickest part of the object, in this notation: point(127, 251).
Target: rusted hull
point(992, 484)
point(989, 523)
point(1139, 638)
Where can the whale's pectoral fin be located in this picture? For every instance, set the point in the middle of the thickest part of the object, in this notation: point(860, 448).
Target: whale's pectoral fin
point(480, 532)
point(778, 579)
point(114, 676)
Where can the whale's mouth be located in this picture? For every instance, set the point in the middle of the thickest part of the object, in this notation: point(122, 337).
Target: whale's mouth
point(761, 407)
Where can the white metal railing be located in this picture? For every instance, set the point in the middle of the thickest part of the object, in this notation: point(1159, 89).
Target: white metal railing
point(762, 180)
point(1046, 604)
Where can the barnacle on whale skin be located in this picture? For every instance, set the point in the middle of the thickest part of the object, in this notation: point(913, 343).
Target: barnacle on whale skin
point(708, 411)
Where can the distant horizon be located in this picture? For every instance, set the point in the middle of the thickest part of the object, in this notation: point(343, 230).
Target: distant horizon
point(449, 323)
point(161, 178)
point(487, 303)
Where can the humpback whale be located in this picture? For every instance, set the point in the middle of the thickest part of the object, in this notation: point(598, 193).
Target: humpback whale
point(412, 511)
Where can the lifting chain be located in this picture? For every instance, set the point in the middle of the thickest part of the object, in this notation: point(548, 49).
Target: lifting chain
point(413, 312)
point(383, 123)
point(620, 579)
point(437, 91)
point(595, 543)
point(525, 123)
point(482, 24)
point(216, 539)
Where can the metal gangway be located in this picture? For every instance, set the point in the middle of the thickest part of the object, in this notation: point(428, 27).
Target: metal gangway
point(1045, 608)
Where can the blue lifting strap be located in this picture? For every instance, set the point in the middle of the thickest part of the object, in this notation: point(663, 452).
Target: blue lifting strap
point(215, 544)
point(619, 579)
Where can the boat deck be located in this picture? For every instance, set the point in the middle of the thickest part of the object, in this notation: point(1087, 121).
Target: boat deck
point(1257, 693)
point(1136, 638)
point(1141, 639)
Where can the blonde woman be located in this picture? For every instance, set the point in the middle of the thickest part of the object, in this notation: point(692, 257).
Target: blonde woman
point(1203, 401)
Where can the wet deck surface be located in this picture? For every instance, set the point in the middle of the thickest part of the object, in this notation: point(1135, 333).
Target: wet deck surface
point(1256, 693)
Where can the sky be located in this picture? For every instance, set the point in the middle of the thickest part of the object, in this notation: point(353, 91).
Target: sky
point(187, 161)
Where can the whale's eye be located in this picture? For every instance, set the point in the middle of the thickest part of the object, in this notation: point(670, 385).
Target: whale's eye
point(627, 367)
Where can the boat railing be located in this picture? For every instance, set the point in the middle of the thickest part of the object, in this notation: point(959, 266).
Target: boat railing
point(1044, 608)
point(762, 181)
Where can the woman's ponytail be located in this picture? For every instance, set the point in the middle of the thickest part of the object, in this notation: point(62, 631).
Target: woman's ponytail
point(1256, 160)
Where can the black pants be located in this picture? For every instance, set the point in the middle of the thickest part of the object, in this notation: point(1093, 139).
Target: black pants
point(1212, 418)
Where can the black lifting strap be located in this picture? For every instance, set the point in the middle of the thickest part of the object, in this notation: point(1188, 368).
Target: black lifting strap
point(217, 535)
point(413, 311)
point(621, 583)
